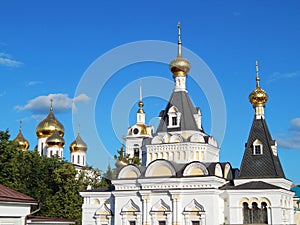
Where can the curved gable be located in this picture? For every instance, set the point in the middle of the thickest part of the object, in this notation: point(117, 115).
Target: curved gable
point(195, 169)
point(160, 168)
point(129, 171)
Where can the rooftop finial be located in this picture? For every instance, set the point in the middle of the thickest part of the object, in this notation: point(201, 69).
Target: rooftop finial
point(51, 107)
point(141, 94)
point(179, 40)
point(141, 104)
point(257, 77)
point(20, 125)
point(79, 129)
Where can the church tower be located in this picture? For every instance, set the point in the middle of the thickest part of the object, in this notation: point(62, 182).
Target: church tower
point(137, 133)
point(45, 129)
point(180, 136)
point(23, 144)
point(78, 150)
point(260, 160)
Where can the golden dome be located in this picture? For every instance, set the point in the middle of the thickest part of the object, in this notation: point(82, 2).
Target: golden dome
point(55, 140)
point(23, 144)
point(139, 129)
point(121, 163)
point(258, 97)
point(141, 104)
point(179, 66)
point(47, 126)
point(78, 145)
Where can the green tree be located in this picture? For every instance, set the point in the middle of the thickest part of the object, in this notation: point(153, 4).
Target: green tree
point(53, 182)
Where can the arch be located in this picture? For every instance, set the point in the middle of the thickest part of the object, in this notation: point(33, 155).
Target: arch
point(176, 138)
point(228, 172)
point(157, 140)
point(129, 171)
point(131, 212)
point(197, 138)
point(195, 169)
point(95, 201)
point(160, 168)
point(194, 212)
point(194, 206)
point(130, 206)
point(161, 206)
point(103, 214)
point(218, 170)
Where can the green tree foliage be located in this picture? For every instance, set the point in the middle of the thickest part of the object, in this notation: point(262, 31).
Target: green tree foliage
point(121, 155)
point(53, 182)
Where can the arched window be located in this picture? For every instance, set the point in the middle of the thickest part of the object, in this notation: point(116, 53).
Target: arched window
point(264, 213)
point(255, 215)
point(257, 147)
point(72, 158)
point(246, 213)
point(78, 159)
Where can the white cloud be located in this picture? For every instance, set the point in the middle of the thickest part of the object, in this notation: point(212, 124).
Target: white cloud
point(34, 82)
point(292, 138)
point(61, 103)
point(8, 61)
point(276, 76)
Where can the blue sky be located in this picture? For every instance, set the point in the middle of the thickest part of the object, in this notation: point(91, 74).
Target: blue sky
point(48, 48)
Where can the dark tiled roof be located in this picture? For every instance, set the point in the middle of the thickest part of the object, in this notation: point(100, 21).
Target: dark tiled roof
point(253, 185)
point(183, 103)
point(105, 189)
point(9, 195)
point(266, 165)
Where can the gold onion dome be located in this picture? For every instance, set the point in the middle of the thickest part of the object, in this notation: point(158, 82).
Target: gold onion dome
point(55, 139)
point(258, 97)
point(47, 126)
point(78, 145)
point(121, 159)
point(23, 144)
point(179, 66)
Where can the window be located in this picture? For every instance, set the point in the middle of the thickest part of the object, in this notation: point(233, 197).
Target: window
point(132, 223)
point(136, 152)
point(257, 147)
point(257, 150)
point(51, 153)
point(195, 223)
point(72, 158)
point(255, 215)
point(78, 159)
point(174, 121)
point(161, 222)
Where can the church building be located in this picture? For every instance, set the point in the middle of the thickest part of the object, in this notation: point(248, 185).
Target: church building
point(181, 180)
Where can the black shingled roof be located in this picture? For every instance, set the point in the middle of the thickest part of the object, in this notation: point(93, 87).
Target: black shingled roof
point(183, 103)
point(253, 185)
point(266, 165)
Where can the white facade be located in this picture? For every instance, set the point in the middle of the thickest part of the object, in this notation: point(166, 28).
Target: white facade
point(182, 182)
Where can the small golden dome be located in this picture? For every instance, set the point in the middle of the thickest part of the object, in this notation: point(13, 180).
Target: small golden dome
point(121, 163)
point(55, 140)
point(179, 66)
point(258, 97)
point(141, 104)
point(47, 126)
point(78, 145)
point(23, 144)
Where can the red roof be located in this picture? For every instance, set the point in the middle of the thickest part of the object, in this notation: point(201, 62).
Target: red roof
point(9, 195)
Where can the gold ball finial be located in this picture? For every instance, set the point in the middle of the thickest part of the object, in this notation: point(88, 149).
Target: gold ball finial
point(179, 66)
point(258, 97)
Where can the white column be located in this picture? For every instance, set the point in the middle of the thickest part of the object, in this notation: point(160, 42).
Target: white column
point(175, 203)
point(145, 216)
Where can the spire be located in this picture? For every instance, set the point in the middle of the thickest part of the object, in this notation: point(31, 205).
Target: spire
point(179, 40)
point(258, 97)
point(179, 66)
point(20, 130)
point(140, 115)
point(51, 107)
point(257, 77)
